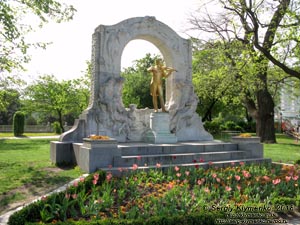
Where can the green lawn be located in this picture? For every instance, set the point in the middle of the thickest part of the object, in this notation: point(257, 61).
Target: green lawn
point(25, 164)
point(286, 150)
point(26, 134)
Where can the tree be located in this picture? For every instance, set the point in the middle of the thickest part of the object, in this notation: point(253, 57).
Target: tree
point(269, 32)
point(13, 13)
point(136, 88)
point(59, 98)
point(214, 80)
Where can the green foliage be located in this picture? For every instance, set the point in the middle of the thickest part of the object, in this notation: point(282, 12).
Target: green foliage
point(13, 17)
point(19, 123)
point(50, 97)
point(214, 79)
point(136, 88)
point(56, 127)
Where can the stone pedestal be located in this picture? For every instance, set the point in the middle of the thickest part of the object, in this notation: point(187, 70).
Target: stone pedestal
point(251, 145)
point(96, 154)
point(160, 129)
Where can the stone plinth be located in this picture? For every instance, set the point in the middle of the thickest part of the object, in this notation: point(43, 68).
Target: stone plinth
point(251, 145)
point(96, 154)
point(160, 129)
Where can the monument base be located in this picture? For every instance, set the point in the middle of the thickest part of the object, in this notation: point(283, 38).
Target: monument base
point(159, 132)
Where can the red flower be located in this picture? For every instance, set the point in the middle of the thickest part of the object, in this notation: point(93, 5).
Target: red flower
point(201, 160)
point(174, 156)
point(139, 157)
point(194, 161)
point(196, 166)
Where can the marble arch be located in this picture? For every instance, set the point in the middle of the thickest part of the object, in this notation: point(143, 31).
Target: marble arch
point(106, 114)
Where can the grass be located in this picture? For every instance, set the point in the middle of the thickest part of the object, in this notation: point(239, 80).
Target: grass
point(25, 164)
point(286, 150)
point(6, 134)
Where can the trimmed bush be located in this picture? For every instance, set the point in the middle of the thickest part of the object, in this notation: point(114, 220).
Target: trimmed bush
point(56, 127)
point(18, 123)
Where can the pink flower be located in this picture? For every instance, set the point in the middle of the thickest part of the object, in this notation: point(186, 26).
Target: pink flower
point(158, 165)
point(96, 176)
point(276, 181)
point(199, 182)
point(95, 182)
point(110, 166)
point(210, 163)
point(178, 174)
point(266, 178)
point(237, 177)
point(246, 174)
point(187, 173)
point(135, 167)
point(75, 184)
point(120, 170)
point(74, 196)
point(109, 176)
point(81, 179)
point(218, 179)
point(170, 186)
point(238, 187)
point(67, 196)
point(214, 175)
point(242, 163)
point(232, 163)
point(295, 178)
point(177, 168)
point(227, 188)
point(139, 157)
point(288, 178)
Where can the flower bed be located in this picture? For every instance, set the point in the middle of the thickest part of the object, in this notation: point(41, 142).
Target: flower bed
point(179, 191)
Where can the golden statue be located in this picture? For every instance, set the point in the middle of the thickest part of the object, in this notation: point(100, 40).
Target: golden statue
point(159, 71)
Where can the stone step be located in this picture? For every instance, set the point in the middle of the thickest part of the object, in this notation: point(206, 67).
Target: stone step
point(220, 164)
point(128, 149)
point(178, 158)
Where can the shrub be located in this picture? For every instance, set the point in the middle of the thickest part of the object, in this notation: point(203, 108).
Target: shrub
point(213, 127)
point(56, 127)
point(18, 123)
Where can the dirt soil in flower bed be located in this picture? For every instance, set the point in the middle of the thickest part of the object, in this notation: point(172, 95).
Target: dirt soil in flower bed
point(29, 192)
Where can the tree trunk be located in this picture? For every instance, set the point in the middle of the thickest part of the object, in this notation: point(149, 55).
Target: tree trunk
point(60, 120)
point(265, 121)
